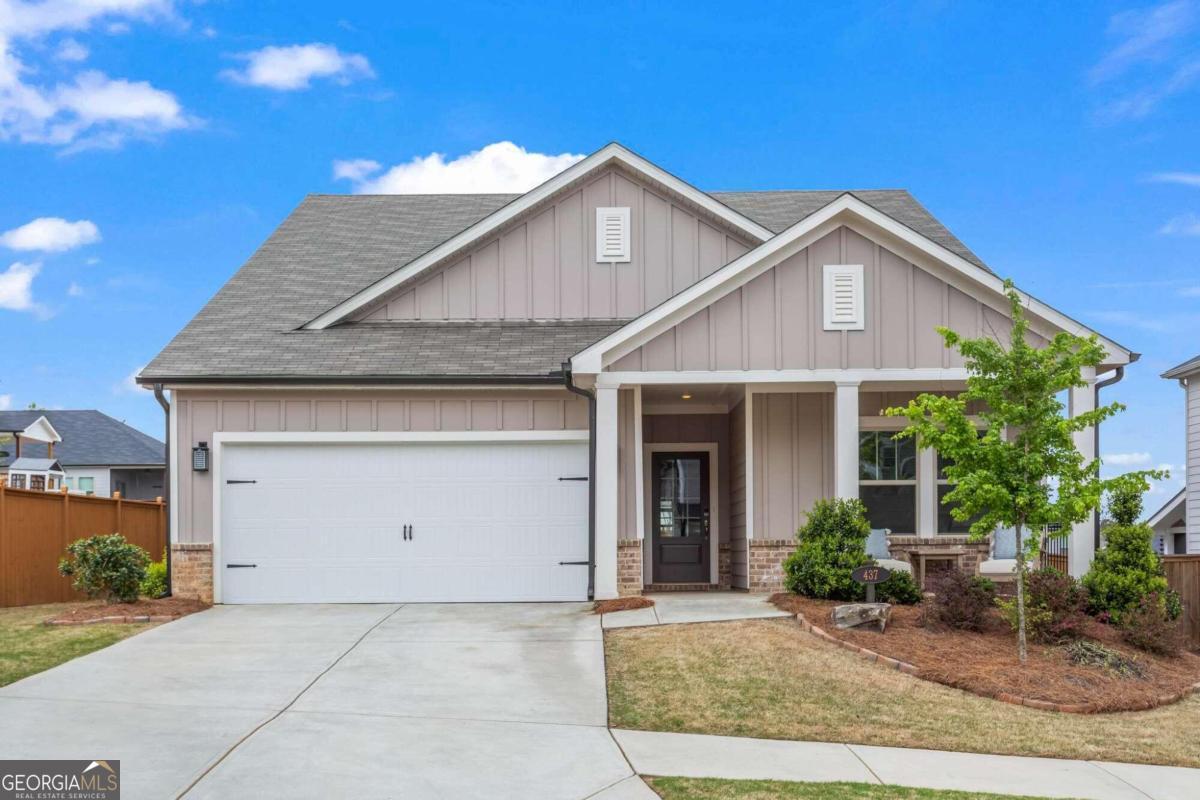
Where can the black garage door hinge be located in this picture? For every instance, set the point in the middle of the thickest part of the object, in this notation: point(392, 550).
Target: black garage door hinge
point(240, 566)
point(581, 478)
point(574, 563)
point(236, 481)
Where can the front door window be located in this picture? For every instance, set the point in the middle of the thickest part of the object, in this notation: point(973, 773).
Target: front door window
point(679, 517)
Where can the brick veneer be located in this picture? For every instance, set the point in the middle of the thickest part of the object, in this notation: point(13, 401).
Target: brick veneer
point(970, 554)
point(766, 563)
point(724, 566)
point(192, 571)
point(629, 567)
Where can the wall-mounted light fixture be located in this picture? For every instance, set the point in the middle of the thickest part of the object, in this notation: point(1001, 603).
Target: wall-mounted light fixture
point(685, 397)
point(200, 457)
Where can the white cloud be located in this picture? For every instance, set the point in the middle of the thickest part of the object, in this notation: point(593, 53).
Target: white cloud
point(51, 234)
point(16, 286)
point(90, 109)
point(1182, 225)
point(1181, 178)
point(498, 167)
point(356, 170)
point(129, 384)
point(1143, 35)
point(5, 402)
point(1125, 459)
point(71, 50)
point(295, 66)
point(74, 290)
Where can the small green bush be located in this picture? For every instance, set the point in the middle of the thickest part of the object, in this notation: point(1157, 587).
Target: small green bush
point(832, 544)
point(960, 601)
point(1150, 627)
point(155, 582)
point(1055, 607)
point(106, 566)
point(1127, 569)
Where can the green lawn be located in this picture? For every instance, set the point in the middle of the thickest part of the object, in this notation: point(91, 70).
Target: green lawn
point(768, 679)
point(27, 646)
point(715, 789)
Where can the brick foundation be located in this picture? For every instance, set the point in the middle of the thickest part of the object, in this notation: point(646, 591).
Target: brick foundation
point(629, 567)
point(766, 563)
point(967, 554)
point(724, 566)
point(192, 571)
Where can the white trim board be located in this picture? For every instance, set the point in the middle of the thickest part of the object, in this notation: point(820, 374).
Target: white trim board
point(772, 376)
point(845, 210)
point(714, 503)
point(609, 154)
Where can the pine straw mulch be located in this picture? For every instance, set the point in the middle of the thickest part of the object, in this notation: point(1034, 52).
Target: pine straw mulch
point(144, 609)
point(986, 663)
point(622, 604)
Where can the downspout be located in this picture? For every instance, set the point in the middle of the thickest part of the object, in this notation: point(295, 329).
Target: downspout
point(166, 407)
point(568, 380)
point(1118, 374)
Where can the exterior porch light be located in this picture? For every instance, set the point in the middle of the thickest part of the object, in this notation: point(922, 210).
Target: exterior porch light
point(200, 457)
point(686, 396)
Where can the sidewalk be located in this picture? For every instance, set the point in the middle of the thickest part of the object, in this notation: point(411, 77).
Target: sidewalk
point(695, 756)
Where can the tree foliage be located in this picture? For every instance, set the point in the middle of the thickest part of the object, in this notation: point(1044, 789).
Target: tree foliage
point(1013, 460)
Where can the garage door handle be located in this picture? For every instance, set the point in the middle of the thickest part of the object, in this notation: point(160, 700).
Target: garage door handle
point(240, 566)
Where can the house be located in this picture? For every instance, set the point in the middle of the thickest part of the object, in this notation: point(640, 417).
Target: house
point(1169, 524)
point(24, 471)
point(1187, 504)
point(611, 382)
point(95, 453)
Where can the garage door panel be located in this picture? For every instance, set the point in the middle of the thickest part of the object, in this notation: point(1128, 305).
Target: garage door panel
point(491, 521)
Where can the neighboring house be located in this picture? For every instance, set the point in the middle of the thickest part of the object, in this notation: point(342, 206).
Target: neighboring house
point(26, 472)
point(403, 398)
point(1169, 524)
point(1188, 376)
point(98, 454)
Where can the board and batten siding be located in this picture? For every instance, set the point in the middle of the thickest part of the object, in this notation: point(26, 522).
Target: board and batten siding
point(544, 265)
point(775, 321)
point(200, 414)
point(793, 459)
point(1192, 496)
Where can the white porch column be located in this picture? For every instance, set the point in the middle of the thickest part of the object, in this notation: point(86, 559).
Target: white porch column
point(1083, 535)
point(845, 440)
point(607, 496)
point(927, 504)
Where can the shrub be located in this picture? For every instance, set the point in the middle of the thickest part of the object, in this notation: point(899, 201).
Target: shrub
point(1124, 572)
point(1149, 626)
point(106, 566)
point(832, 543)
point(1055, 607)
point(900, 588)
point(1125, 503)
point(960, 601)
point(155, 582)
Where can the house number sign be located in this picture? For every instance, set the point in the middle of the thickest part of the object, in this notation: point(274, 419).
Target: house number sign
point(870, 574)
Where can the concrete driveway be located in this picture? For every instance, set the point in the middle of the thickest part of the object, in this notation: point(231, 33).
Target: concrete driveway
point(372, 701)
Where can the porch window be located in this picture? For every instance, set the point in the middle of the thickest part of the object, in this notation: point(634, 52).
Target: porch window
point(947, 523)
point(37, 483)
point(16, 481)
point(887, 480)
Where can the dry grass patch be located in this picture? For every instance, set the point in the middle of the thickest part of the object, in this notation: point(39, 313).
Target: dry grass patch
point(174, 607)
point(766, 678)
point(717, 789)
point(621, 604)
point(28, 646)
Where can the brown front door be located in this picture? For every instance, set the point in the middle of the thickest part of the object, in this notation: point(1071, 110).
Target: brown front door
point(679, 517)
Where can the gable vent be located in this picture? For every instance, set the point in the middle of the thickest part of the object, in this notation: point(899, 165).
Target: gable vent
point(844, 302)
point(612, 235)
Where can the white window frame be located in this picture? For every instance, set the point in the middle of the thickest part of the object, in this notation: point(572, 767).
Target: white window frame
point(872, 425)
point(606, 212)
point(91, 487)
point(831, 273)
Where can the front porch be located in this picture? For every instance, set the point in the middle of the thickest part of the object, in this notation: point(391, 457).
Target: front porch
point(702, 483)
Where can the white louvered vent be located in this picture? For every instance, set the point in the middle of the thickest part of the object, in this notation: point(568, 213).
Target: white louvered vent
point(612, 235)
point(844, 302)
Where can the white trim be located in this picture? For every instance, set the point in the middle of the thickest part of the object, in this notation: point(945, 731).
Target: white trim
point(750, 265)
point(927, 491)
point(856, 319)
point(749, 449)
point(173, 468)
point(362, 387)
point(607, 489)
point(622, 254)
point(639, 502)
point(40, 430)
point(1170, 507)
point(601, 158)
point(1081, 547)
point(765, 376)
point(845, 441)
point(223, 439)
point(714, 502)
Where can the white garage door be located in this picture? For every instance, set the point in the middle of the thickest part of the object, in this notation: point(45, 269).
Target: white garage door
point(408, 522)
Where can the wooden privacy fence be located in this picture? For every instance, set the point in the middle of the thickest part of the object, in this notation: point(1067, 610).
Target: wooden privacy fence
point(1183, 575)
point(36, 527)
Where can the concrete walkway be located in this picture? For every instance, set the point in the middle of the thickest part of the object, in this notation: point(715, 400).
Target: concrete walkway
point(693, 756)
point(680, 607)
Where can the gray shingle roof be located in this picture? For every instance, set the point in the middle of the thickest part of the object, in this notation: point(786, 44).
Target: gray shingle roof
point(89, 438)
point(332, 246)
point(1186, 368)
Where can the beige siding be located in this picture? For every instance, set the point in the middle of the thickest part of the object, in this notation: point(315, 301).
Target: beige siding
point(793, 459)
point(775, 320)
point(202, 413)
point(738, 550)
point(543, 266)
point(1192, 498)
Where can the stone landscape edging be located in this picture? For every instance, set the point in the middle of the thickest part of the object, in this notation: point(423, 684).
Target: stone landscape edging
point(1004, 697)
point(119, 620)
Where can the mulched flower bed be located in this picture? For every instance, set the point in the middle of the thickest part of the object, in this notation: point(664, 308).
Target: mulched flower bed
point(986, 663)
point(163, 609)
point(622, 604)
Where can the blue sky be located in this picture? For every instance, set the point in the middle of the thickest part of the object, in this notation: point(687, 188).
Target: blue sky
point(154, 145)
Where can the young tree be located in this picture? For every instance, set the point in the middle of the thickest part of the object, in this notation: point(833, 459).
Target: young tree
point(1019, 468)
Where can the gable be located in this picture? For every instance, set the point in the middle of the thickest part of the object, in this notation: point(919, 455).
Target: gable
point(775, 321)
point(543, 265)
